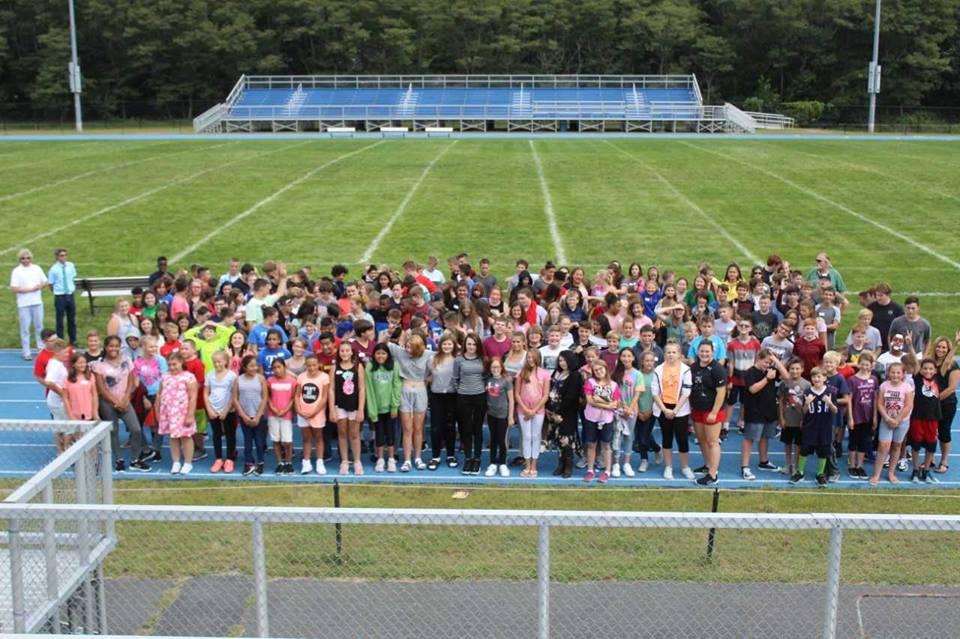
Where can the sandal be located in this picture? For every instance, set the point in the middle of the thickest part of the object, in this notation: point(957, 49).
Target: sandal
point(434, 464)
point(942, 468)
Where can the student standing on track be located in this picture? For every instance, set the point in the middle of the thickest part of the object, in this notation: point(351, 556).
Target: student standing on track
point(443, 402)
point(894, 404)
point(413, 358)
point(671, 405)
point(116, 381)
point(707, 393)
point(468, 379)
point(943, 354)
point(250, 400)
point(862, 415)
point(532, 390)
point(500, 415)
point(176, 408)
point(760, 410)
point(382, 388)
point(311, 403)
point(817, 429)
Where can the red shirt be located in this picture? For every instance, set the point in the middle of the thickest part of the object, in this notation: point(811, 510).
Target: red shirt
point(426, 282)
point(168, 348)
point(810, 353)
point(197, 369)
point(40, 364)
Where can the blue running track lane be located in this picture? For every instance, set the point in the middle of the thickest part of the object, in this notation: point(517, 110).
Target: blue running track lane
point(22, 454)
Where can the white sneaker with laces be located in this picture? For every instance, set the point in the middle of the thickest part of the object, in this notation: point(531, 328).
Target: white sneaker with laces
point(405, 467)
point(185, 470)
point(687, 473)
point(306, 467)
point(668, 473)
point(644, 465)
point(379, 466)
point(628, 470)
point(746, 473)
point(616, 470)
point(658, 458)
point(321, 468)
point(491, 470)
point(419, 464)
point(175, 469)
point(504, 470)
point(902, 465)
point(391, 465)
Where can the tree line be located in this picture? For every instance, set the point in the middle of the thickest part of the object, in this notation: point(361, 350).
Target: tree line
point(181, 56)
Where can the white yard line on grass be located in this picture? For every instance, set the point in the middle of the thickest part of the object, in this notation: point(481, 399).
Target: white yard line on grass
point(754, 259)
point(270, 198)
point(111, 167)
point(375, 244)
point(823, 198)
point(75, 156)
point(140, 196)
point(548, 208)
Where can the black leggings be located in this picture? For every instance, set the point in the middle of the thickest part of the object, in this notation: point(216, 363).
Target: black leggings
point(443, 423)
point(498, 439)
point(860, 438)
point(948, 410)
point(384, 431)
point(470, 412)
point(645, 440)
point(678, 427)
point(226, 426)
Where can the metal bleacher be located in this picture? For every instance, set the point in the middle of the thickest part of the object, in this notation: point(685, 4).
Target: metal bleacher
point(471, 103)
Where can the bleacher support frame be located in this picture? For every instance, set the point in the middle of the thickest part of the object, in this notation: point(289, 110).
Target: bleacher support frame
point(634, 115)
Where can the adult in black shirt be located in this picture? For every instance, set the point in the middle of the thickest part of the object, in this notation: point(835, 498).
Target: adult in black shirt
point(563, 408)
point(160, 272)
point(707, 393)
point(760, 410)
point(948, 378)
point(884, 310)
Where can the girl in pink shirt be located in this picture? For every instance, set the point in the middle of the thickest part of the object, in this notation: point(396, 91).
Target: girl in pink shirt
point(532, 390)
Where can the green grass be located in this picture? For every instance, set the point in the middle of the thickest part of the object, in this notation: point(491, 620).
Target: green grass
point(612, 199)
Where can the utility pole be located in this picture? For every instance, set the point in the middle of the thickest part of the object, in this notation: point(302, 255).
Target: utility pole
point(873, 73)
point(74, 70)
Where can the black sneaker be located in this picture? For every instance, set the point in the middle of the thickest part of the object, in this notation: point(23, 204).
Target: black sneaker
point(821, 481)
point(707, 480)
point(200, 454)
point(467, 467)
point(120, 466)
point(434, 463)
point(452, 462)
point(915, 476)
point(474, 467)
point(518, 461)
point(249, 469)
point(140, 466)
point(796, 478)
point(258, 470)
point(853, 472)
point(280, 469)
point(702, 469)
point(766, 465)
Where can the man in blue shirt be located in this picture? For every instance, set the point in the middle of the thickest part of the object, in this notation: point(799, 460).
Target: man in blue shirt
point(62, 278)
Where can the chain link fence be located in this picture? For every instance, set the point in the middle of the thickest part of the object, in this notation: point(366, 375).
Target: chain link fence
point(305, 572)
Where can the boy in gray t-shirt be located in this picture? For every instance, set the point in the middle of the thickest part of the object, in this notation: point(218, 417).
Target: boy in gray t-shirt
point(791, 394)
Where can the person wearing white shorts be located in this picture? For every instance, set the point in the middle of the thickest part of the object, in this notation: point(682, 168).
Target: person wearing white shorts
point(281, 430)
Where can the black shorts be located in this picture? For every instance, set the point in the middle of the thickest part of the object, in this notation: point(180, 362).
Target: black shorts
point(816, 436)
point(790, 436)
point(735, 394)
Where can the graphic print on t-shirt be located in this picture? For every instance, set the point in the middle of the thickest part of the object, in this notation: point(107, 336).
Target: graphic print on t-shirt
point(309, 393)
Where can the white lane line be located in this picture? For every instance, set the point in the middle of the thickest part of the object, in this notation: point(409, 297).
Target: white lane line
point(140, 196)
point(754, 259)
point(375, 244)
point(111, 167)
point(840, 207)
point(76, 156)
point(270, 198)
point(933, 294)
point(548, 208)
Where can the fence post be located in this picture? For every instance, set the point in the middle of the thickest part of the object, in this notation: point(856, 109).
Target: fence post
point(543, 582)
point(50, 554)
point(338, 526)
point(712, 534)
point(833, 584)
point(18, 598)
point(260, 579)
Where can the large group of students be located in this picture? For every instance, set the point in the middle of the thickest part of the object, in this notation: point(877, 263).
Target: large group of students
point(585, 364)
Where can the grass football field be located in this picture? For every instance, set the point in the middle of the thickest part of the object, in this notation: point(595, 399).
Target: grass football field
point(882, 210)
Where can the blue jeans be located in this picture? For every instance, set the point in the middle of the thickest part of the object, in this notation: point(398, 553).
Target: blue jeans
point(254, 436)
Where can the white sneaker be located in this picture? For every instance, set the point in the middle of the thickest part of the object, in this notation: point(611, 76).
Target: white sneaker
point(419, 464)
point(491, 470)
point(504, 470)
point(658, 458)
point(185, 469)
point(321, 468)
point(175, 469)
point(379, 466)
point(405, 467)
point(582, 463)
point(615, 471)
point(628, 470)
point(687, 473)
point(746, 473)
point(306, 467)
point(391, 465)
point(668, 473)
point(902, 465)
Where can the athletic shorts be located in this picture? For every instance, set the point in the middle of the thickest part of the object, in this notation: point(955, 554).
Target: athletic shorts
point(200, 418)
point(735, 394)
point(790, 436)
point(281, 430)
point(897, 434)
point(340, 415)
point(413, 399)
point(924, 432)
point(594, 432)
point(759, 430)
point(700, 417)
point(816, 436)
point(302, 422)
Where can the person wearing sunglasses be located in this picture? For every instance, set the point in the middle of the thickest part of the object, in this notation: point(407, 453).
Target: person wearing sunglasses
point(27, 282)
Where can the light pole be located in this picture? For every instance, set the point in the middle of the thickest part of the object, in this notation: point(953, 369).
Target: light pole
point(74, 70)
point(873, 73)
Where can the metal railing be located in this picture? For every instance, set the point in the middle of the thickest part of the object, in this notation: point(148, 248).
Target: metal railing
point(468, 81)
point(210, 117)
point(739, 118)
point(544, 560)
point(771, 120)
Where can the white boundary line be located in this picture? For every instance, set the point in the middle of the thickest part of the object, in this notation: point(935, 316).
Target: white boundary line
point(840, 207)
point(14, 167)
point(140, 196)
point(692, 205)
point(110, 167)
point(270, 198)
point(548, 208)
point(375, 244)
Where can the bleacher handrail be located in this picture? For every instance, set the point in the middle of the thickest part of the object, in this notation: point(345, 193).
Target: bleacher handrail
point(236, 91)
point(739, 118)
point(696, 88)
point(771, 120)
point(468, 81)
